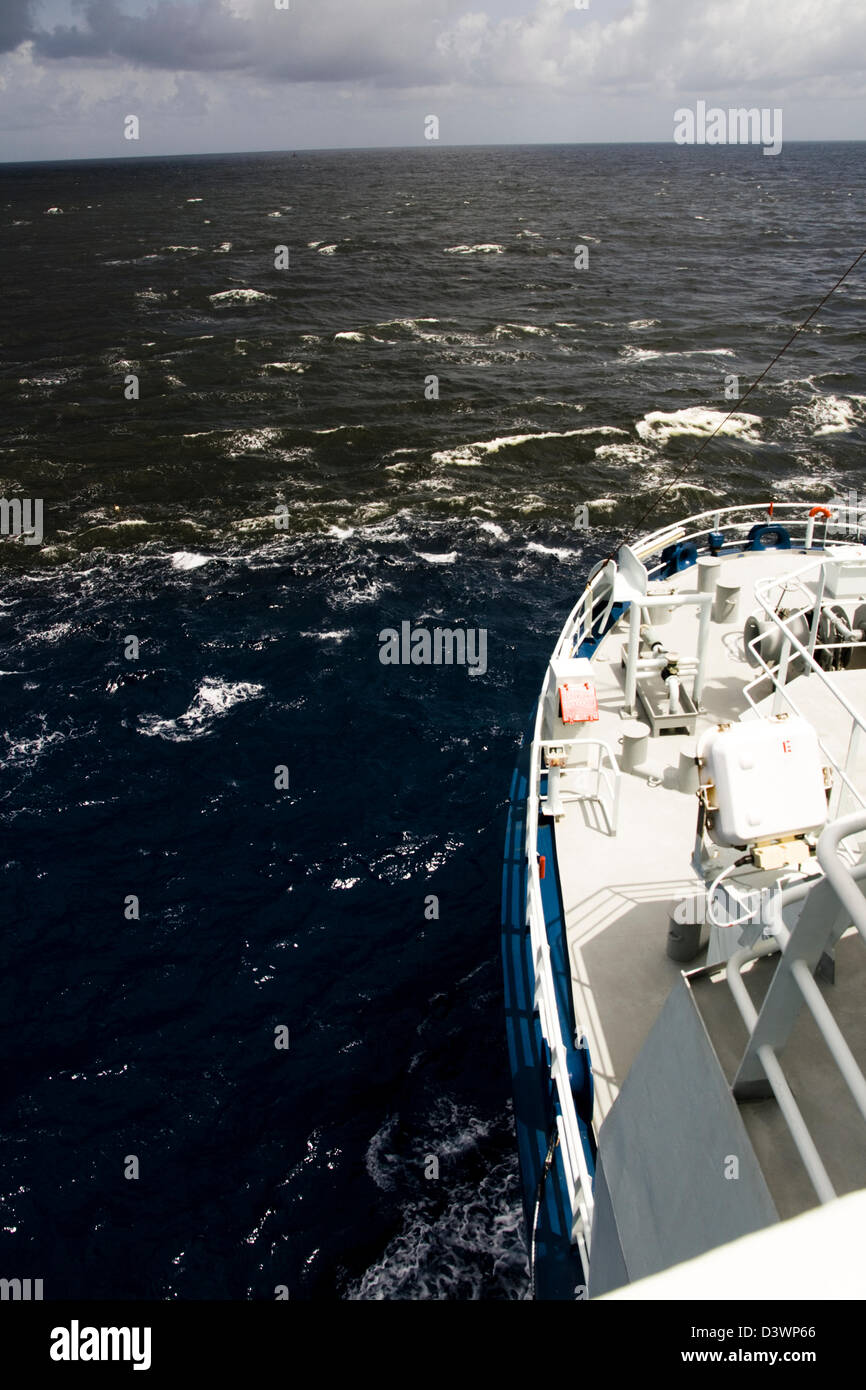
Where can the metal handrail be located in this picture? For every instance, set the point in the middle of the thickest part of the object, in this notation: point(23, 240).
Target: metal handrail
point(606, 769)
point(800, 949)
point(693, 528)
point(777, 675)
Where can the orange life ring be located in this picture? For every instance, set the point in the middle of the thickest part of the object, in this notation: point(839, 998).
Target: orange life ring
point(821, 511)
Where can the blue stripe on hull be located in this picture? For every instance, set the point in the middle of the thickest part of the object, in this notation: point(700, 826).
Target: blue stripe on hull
point(558, 1269)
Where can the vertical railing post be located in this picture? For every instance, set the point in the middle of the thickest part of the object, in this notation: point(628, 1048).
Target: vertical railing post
point(816, 612)
point(634, 617)
point(782, 675)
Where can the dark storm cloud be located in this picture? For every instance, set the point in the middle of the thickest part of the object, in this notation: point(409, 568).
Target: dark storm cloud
point(202, 36)
point(329, 41)
point(15, 24)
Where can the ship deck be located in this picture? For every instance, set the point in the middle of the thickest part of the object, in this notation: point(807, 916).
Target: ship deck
point(618, 892)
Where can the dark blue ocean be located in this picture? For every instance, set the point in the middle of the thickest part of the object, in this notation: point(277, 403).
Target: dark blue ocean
point(303, 389)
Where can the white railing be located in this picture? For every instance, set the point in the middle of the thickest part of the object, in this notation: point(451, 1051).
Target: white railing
point(608, 779)
point(792, 648)
point(830, 904)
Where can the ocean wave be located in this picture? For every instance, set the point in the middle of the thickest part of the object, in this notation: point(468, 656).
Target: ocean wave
point(494, 530)
point(405, 323)
point(630, 353)
point(348, 336)
point(831, 414)
point(457, 1242)
point(356, 591)
point(213, 699)
point(26, 752)
point(250, 441)
point(474, 452)
point(508, 330)
point(238, 297)
point(329, 250)
point(561, 552)
point(484, 248)
point(188, 560)
point(661, 425)
point(448, 559)
point(623, 453)
point(287, 366)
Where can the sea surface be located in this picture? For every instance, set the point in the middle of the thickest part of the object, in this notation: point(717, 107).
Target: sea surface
point(287, 485)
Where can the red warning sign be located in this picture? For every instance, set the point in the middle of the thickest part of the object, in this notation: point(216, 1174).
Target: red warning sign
point(578, 702)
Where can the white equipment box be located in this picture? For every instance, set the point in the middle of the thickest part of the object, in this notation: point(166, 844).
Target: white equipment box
point(572, 699)
point(768, 776)
point(845, 577)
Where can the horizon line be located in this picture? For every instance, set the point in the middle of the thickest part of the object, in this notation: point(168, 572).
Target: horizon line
point(430, 144)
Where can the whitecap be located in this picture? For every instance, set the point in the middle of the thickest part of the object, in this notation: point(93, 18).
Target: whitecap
point(472, 453)
point(623, 453)
point(238, 297)
point(348, 337)
point(630, 353)
point(188, 560)
point(212, 699)
point(494, 530)
point(505, 330)
point(829, 414)
point(448, 559)
point(561, 552)
point(485, 248)
point(659, 426)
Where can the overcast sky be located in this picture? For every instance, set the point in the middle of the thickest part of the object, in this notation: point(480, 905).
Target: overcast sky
point(212, 75)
